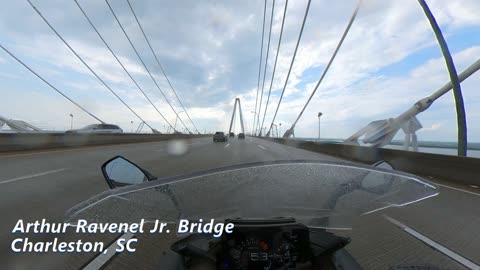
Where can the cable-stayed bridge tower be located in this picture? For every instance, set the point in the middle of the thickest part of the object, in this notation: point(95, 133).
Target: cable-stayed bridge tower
point(237, 100)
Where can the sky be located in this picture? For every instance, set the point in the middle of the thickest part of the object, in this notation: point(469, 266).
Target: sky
point(210, 51)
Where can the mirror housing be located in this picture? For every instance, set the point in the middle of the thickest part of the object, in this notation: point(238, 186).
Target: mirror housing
point(377, 182)
point(382, 164)
point(120, 172)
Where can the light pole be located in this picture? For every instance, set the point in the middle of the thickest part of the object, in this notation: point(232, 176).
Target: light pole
point(71, 121)
point(271, 129)
point(319, 114)
point(254, 115)
point(132, 125)
point(280, 128)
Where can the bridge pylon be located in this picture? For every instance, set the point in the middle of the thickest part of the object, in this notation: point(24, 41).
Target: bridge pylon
point(237, 100)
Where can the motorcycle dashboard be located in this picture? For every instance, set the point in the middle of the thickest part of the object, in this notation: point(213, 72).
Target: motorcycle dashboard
point(272, 244)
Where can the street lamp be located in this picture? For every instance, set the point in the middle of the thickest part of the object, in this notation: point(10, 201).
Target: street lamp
point(71, 121)
point(319, 114)
point(175, 126)
point(280, 128)
point(272, 130)
point(132, 125)
point(254, 115)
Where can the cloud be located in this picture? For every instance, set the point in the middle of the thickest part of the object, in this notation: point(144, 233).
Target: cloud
point(381, 98)
point(211, 50)
point(433, 127)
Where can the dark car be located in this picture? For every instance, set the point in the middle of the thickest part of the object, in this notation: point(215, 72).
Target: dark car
point(231, 134)
point(241, 136)
point(219, 137)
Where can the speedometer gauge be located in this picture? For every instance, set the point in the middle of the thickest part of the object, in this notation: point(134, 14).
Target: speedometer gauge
point(252, 253)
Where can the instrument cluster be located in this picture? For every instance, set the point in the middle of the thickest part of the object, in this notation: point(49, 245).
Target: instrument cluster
point(265, 246)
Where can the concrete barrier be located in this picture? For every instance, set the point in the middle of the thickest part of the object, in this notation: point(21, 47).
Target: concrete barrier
point(38, 141)
point(463, 170)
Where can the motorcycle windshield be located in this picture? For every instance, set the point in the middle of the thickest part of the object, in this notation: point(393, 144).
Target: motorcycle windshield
point(324, 195)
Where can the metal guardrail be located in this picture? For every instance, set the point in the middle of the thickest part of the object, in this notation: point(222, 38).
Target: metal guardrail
point(23, 141)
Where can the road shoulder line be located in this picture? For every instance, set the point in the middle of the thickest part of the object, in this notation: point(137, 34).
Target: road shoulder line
point(458, 189)
point(455, 256)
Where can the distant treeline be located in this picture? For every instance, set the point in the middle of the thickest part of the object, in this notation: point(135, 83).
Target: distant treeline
point(434, 144)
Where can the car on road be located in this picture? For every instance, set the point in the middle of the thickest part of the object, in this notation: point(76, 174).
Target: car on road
point(231, 134)
point(97, 128)
point(241, 135)
point(219, 137)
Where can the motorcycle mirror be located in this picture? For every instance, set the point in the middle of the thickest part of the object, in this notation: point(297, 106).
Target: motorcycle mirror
point(382, 164)
point(120, 172)
point(376, 181)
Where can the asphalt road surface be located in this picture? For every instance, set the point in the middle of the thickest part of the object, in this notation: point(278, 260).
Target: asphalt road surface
point(439, 231)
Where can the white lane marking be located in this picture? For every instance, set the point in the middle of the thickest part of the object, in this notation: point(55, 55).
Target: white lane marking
point(261, 147)
point(30, 176)
point(459, 189)
point(227, 145)
point(400, 205)
point(107, 254)
point(473, 186)
point(465, 262)
point(194, 143)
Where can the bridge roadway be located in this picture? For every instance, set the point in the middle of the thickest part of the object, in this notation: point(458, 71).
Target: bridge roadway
point(44, 184)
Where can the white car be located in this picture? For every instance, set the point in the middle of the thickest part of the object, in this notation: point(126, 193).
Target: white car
point(97, 128)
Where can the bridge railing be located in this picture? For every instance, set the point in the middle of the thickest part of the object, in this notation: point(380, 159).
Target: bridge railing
point(463, 170)
point(38, 141)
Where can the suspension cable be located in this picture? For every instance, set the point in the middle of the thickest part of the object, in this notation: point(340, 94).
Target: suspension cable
point(266, 65)
point(143, 63)
point(352, 19)
point(49, 84)
point(118, 60)
point(291, 64)
point(160, 65)
point(276, 58)
point(259, 66)
point(86, 65)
